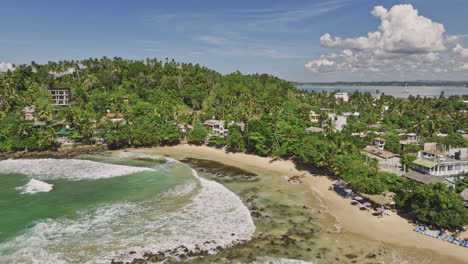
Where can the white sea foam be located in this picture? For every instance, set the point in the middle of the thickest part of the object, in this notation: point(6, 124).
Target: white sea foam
point(35, 186)
point(136, 154)
point(212, 214)
point(70, 169)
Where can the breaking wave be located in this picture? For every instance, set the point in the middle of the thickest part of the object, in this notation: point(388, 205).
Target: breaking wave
point(70, 169)
point(35, 186)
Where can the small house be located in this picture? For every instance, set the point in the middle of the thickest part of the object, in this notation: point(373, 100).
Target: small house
point(29, 113)
point(113, 117)
point(216, 127)
point(387, 159)
point(314, 130)
point(66, 137)
point(379, 143)
point(314, 117)
point(410, 139)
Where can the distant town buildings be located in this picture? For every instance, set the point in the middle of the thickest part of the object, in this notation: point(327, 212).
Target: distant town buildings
point(60, 96)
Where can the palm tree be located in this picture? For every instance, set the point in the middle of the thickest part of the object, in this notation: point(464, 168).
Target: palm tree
point(329, 126)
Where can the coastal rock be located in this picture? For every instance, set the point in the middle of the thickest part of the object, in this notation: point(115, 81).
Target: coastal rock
point(61, 153)
point(351, 256)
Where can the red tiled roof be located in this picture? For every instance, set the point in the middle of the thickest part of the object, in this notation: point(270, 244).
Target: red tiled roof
point(112, 115)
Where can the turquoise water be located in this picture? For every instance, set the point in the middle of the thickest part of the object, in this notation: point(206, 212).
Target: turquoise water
point(102, 207)
point(70, 197)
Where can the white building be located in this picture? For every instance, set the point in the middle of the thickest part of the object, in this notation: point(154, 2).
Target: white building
point(354, 114)
point(379, 143)
point(314, 117)
point(60, 96)
point(343, 96)
point(411, 139)
point(439, 165)
point(338, 120)
point(217, 127)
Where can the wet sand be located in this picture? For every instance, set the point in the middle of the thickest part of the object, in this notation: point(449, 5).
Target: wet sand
point(391, 232)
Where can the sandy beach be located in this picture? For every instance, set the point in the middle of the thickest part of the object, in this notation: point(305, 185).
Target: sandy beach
point(392, 230)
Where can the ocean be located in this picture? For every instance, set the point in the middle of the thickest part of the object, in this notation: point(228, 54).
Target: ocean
point(98, 208)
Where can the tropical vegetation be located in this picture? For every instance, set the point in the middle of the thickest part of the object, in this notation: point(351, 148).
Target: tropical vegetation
point(164, 102)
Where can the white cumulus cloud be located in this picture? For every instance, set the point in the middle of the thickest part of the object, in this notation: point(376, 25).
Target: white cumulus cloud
point(405, 41)
point(60, 74)
point(6, 66)
point(460, 51)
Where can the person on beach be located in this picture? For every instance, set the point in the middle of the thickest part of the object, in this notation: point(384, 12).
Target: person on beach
point(425, 226)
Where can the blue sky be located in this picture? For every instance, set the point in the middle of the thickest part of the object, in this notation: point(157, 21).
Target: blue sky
point(276, 37)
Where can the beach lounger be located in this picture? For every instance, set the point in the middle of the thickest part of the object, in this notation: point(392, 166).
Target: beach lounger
point(446, 237)
point(450, 239)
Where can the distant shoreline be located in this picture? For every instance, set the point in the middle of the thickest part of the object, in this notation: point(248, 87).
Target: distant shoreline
point(396, 84)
